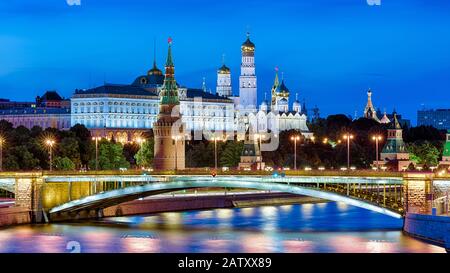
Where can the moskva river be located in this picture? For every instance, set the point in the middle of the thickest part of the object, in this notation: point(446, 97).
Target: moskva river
point(322, 227)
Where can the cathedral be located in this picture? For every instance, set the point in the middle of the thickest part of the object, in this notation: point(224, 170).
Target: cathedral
point(124, 111)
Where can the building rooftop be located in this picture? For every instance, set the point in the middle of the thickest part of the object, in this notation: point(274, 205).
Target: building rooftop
point(117, 89)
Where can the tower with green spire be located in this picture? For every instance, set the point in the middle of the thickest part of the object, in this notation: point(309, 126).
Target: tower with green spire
point(446, 152)
point(168, 130)
point(280, 94)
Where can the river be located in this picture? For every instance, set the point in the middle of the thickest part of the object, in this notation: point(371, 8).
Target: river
point(322, 227)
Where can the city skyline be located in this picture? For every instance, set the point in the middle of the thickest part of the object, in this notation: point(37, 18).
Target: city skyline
point(320, 51)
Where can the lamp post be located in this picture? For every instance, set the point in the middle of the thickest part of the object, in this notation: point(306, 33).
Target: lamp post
point(259, 137)
point(348, 137)
point(50, 142)
point(377, 138)
point(176, 138)
point(96, 139)
point(2, 141)
point(215, 139)
point(140, 141)
point(295, 139)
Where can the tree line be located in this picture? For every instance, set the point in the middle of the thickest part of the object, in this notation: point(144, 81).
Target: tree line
point(26, 149)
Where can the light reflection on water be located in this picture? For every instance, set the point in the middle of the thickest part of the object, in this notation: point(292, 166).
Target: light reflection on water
point(323, 227)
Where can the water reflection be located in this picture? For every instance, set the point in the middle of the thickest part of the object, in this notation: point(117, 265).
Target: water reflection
point(323, 227)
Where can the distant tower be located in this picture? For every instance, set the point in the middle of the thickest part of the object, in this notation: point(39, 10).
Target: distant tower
point(204, 85)
point(224, 81)
point(446, 152)
point(280, 95)
point(304, 109)
point(247, 80)
point(264, 105)
point(316, 113)
point(369, 111)
point(296, 105)
point(395, 150)
point(168, 130)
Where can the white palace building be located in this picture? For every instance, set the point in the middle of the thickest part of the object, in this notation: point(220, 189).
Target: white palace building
point(124, 111)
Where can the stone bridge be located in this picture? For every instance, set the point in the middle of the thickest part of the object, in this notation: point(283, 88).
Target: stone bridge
point(76, 196)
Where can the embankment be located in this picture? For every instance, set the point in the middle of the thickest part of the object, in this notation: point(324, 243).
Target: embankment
point(432, 228)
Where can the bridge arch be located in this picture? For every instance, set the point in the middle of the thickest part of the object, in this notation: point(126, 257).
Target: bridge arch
point(8, 184)
point(114, 197)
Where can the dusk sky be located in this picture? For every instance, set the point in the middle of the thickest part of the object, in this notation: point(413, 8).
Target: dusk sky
point(331, 51)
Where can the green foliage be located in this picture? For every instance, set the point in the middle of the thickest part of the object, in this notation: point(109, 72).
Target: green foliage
point(423, 153)
point(63, 163)
point(144, 157)
point(69, 148)
point(231, 154)
point(110, 157)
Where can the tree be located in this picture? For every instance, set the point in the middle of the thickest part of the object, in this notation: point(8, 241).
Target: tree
point(423, 153)
point(110, 156)
point(231, 154)
point(69, 148)
point(63, 163)
point(144, 157)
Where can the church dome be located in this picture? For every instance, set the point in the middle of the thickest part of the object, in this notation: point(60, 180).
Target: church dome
point(224, 70)
point(296, 104)
point(248, 46)
point(264, 105)
point(283, 88)
point(154, 71)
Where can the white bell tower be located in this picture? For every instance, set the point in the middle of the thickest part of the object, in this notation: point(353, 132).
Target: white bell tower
point(247, 80)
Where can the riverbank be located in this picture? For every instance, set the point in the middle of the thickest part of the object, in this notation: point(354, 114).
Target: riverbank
point(14, 216)
point(430, 228)
point(183, 203)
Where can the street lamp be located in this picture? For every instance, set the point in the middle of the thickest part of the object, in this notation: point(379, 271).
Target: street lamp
point(96, 139)
point(260, 137)
point(140, 141)
point(295, 138)
point(377, 138)
point(176, 138)
point(215, 139)
point(50, 142)
point(2, 141)
point(348, 137)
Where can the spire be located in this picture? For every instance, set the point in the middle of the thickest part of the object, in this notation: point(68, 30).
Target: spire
point(169, 62)
point(204, 85)
point(296, 96)
point(276, 81)
point(369, 110)
point(154, 53)
point(395, 123)
point(169, 91)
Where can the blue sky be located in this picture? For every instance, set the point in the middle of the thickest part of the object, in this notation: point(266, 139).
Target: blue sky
point(331, 51)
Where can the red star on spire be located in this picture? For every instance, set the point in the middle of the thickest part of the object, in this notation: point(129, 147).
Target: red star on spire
point(169, 40)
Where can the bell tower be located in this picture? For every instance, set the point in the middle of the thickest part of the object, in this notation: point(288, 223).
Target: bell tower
point(247, 80)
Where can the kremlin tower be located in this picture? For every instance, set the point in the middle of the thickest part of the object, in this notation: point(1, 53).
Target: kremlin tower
point(395, 149)
point(224, 81)
point(247, 80)
point(169, 131)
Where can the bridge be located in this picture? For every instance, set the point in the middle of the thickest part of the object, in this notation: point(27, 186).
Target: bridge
point(84, 195)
